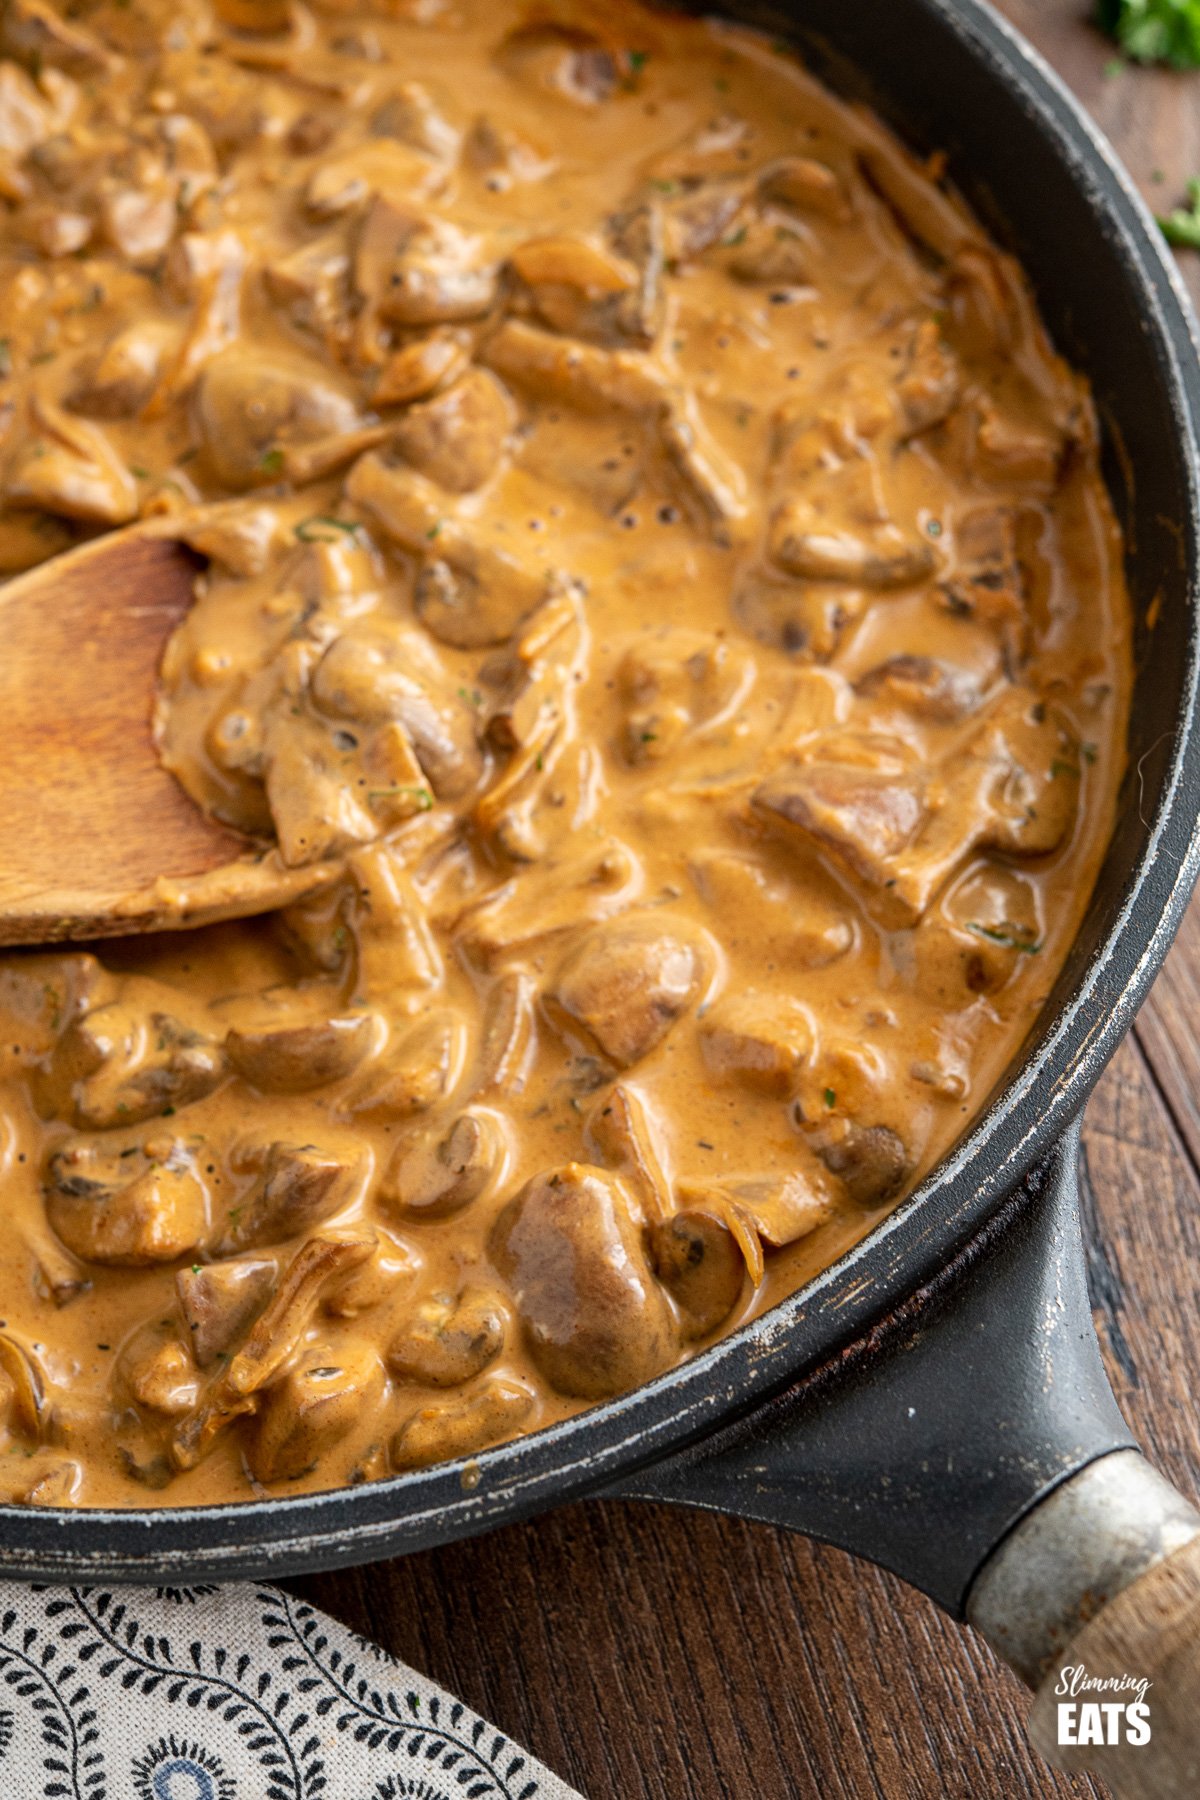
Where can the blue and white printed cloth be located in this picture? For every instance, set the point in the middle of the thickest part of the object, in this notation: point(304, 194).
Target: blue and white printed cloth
point(231, 1693)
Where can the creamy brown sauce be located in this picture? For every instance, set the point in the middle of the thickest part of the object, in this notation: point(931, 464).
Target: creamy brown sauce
point(654, 545)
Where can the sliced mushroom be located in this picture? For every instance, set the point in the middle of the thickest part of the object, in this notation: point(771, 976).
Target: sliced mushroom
point(802, 184)
point(220, 1301)
point(470, 593)
point(395, 172)
point(448, 1340)
point(420, 367)
point(397, 951)
point(126, 1211)
point(441, 1174)
point(870, 1161)
point(503, 155)
point(121, 1063)
point(59, 1485)
point(411, 114)
point(293, 1059)
point(626, 983)
point(623, 1129)
point(271, 1343)
point(27, 1397)
point(761, 1040)
point(779, 1208)
point(509, 1040)
point(567, 370)
point(414, 269)
point(298, 1186)
point(925, 686)
point(124, 375)
point(65, 465)
point(380, 677)
point(494, 1410)
point(864, 816)
point(561, 60)
point(875, 556)
point(311, 285)
point(593, 1318)
point(316, 1404)
point(252, 409)
point(418, 1071)
point(459, 438)
point(157, 1372)
point(591, 883)
point(697, 1259)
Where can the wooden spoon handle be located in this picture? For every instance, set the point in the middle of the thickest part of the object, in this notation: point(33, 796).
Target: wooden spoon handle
point(1150, 1631)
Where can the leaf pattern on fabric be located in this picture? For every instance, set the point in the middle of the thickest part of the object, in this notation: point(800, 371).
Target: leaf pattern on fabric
point(208, 1693)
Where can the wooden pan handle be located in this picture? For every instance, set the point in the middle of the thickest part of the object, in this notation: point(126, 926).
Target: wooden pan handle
point(1150, 1631)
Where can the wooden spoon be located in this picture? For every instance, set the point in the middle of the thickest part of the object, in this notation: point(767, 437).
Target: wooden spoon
point(96, 837)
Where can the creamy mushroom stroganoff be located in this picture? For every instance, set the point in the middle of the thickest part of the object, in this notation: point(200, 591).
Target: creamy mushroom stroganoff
point(651, 543)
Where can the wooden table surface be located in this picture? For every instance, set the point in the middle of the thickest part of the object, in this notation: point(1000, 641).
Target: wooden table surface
point(652, 1655)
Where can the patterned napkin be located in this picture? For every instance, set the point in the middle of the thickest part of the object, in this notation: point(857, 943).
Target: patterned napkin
point(231, 1693)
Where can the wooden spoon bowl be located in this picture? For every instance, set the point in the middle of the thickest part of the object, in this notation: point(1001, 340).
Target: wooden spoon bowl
point(97, 838)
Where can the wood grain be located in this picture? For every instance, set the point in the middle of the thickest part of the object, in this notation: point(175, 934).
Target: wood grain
point(657, 1656)
point(90, 813)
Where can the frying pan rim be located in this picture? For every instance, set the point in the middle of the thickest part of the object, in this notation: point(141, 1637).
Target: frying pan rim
point(597, 1447)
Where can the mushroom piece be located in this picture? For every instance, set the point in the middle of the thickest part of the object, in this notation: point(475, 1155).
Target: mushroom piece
point(495, 1409)
point(925, 686)
point(384, 676)
point(220, 1301)
point(865, 817)
point(421, 1069)
point(561, 60)
point(299, 1186)
point(420, 367)
point(575, 373)
point(271, 1343)
point(802, 184)
point(623, 1129)
point(524, 912)
point(410, 114)
point(394, 172)
point(124, 375)
point(316, 1404)
point(440, 1175)
point(24, 1389)
point(252, 409)
point(459, 438)
point(697, 1259)
point(59, 1485)
point(626, 983)
point(126, 1211)
point(508, 1043)
point(122, 1063)
point(311, 286)
point(779, 1208)
point(873, 556)
point(397, 952)
point(593, 1318)
point(712, 483)
point(471, 593)
point(414, 269)
point(870, 1161)
point(761, 1040)
point(66, 465)
point(294, 1059)
point(582, 289)
point(448, 1340)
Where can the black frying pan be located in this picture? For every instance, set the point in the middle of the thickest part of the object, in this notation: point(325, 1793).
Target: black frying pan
point(938, 1393)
